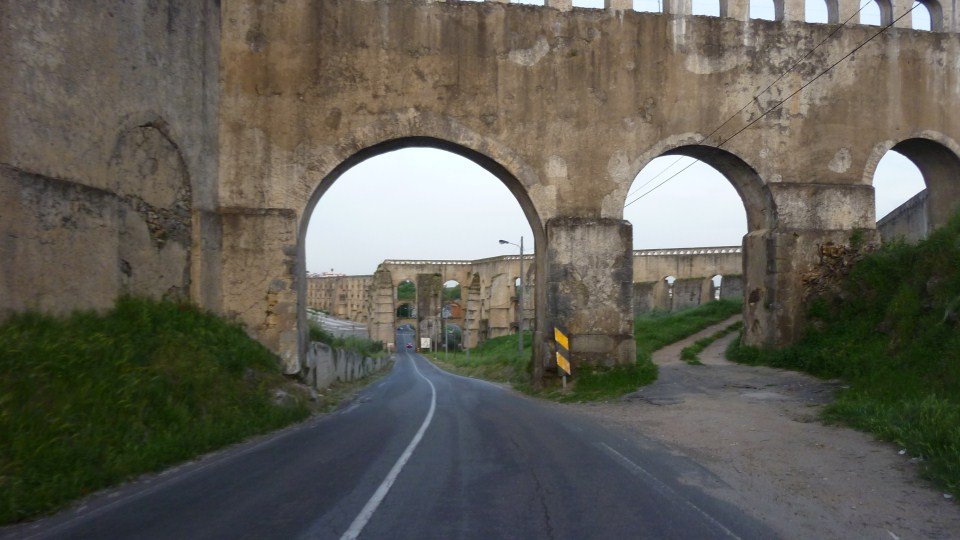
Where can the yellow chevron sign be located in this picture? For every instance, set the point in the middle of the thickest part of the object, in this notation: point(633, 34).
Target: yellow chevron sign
point(561, 339)
point(563, 349)
point(563, 363)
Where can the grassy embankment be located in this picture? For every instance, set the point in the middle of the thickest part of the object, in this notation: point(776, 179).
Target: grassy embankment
point(891, 333)
point(497, 359)
point(91, 400)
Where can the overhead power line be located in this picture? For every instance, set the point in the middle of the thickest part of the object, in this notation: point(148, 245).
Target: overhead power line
point(755, 98)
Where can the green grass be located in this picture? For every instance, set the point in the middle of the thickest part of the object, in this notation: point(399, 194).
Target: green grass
point(497, 359)
point(91, 400)
point(892, 335)
point(691, 354)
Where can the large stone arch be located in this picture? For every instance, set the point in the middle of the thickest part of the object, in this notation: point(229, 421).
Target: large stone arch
point(759, 266)
point(475, 153)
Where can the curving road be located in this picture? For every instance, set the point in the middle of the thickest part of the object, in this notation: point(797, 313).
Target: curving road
point(423, 454)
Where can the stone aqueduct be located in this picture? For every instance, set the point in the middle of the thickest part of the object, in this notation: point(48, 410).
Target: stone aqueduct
point(664, 280)
point(178, 148)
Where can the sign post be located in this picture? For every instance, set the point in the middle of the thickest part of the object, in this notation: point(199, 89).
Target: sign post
point(563, 352)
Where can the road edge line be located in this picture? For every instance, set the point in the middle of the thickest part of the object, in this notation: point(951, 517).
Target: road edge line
point(364, 516)
point(637, 469)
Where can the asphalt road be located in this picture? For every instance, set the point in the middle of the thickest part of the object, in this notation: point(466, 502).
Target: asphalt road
point(423, 454)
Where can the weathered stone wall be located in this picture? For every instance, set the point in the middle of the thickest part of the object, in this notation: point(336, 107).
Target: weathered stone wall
point(317, 86)
point(163, 116)
point(731, 286)
point(108, 152)
point(687, 293)
point(344, 297)
point(643, 297)
point(326, 365)
point(909, 221)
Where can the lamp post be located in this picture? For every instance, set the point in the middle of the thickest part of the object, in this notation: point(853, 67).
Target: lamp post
point(519, 298)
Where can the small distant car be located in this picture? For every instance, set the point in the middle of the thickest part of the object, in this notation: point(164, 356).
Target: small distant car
point(409, 345)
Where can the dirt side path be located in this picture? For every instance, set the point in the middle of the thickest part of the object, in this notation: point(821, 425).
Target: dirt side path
point(756, 429)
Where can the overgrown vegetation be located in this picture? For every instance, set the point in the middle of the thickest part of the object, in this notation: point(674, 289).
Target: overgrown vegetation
point(406, 291)
point(451, 293)
point(364, 346)
point(691, 354)
point(90, 400)
point(891, 333)
point(497, 359)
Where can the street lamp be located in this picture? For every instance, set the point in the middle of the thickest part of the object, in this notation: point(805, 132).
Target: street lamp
point(519, 298)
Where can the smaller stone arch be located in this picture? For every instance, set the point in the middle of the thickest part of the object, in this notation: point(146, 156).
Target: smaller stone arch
point(406, 290)
point(452, 291)
point(938, 159)
point(832, 15)
point(935, 11)
point(886, 12)
point(755, 9)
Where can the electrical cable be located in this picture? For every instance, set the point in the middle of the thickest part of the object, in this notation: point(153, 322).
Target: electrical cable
point(781, 102)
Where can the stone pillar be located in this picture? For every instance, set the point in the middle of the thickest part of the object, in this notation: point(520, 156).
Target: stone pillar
point(731, 287)
point(589, 288)
point(707, 291)
point(471, 330)
point(562, 5)
point(618, 5)
point(661, 296)
point(847, 9)
point(259, 286)
point(899, 8)
point(383, 324)
point(687, 293)
point(429, 287)
point(948, 19)
point(776, 261)
point(794, 10)
point(678, 7)
point(735, 9)
point(643, 297)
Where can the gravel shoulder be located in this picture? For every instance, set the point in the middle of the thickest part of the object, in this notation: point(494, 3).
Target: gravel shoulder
point(757, 429)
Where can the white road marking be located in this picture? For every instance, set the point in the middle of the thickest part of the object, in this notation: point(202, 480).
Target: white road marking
point(664, 488)
point(361, 520)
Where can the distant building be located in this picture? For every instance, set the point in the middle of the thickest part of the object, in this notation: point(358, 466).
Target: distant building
point(344, 297)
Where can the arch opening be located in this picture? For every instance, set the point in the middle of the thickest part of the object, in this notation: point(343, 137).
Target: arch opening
point(917, 189)
point(709, 8)
point(410, 297)
point(684, 259)
point(822, 11)
point(877, 13)
point(927, 15)
point(767, 10)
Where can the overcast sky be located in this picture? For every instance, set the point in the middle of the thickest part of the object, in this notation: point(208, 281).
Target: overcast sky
point(421, 203)
point(430, 204)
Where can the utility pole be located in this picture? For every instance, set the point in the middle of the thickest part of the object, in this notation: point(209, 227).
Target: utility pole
point(520, 305)
point(464, 339)
point(519, 298)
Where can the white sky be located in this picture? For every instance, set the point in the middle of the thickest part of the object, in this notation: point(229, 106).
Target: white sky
point(421, 203)
point(429, 204)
